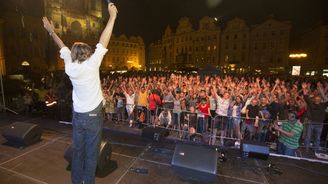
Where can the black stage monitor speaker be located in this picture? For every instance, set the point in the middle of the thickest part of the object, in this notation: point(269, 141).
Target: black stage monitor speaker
point(255, 149)
point(21, 134)
point(195, 162)
point(156, 133)
point(104, 164)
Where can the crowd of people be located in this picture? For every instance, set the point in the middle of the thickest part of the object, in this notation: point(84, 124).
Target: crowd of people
point(229, 107)
point(226, 108)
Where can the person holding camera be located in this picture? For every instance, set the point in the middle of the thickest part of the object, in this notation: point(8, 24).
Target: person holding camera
point(289, 133)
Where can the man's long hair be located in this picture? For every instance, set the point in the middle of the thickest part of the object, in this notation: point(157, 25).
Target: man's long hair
point(80, 52)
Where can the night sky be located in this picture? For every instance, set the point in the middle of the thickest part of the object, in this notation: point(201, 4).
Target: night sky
point(149, 18)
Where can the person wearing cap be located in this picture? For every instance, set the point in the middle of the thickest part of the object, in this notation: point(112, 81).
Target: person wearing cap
point(290, 132)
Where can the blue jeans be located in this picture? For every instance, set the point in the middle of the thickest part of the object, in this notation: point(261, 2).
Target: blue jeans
point(176, 119)
point(87, 130)
point(263, 134)
point(284, 150)
point(251, 131)
point(201, 126)
point(316, 129)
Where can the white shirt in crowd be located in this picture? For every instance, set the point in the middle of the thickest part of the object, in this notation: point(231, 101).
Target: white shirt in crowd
point(87, 93)
point(222, 106)
point(130, 100)
point(165, 119)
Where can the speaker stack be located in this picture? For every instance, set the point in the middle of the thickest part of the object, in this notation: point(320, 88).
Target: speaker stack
point(21, 134)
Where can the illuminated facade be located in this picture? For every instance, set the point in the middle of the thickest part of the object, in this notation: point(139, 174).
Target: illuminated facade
point(186, 47)
point(269, 46)
point(79, 19)
point(74, 20)
point(235, 40)
point(238, 47)
point(26, 41)
point(125, 53)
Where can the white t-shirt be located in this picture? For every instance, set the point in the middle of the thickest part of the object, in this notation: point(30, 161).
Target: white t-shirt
point(130, 99)
point(222, 106)
point(87, 93)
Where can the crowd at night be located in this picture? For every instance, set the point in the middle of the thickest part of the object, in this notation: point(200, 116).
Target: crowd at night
point(220, 81)
point(243, 107)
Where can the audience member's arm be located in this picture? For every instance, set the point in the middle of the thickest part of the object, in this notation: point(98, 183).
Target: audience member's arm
point(322, 93)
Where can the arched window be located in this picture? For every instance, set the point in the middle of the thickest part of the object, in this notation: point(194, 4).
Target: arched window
point(76, 29)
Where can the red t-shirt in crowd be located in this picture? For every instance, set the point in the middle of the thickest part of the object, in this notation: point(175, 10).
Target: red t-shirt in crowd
point(204, 109)
point(153, 98)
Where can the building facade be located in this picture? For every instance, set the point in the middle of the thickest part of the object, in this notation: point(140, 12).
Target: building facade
point(26, 41)
point(235, 42)
point(269, 46)
point(236, 47)
point(74, 20)
point(186, 47)
point(125, 53)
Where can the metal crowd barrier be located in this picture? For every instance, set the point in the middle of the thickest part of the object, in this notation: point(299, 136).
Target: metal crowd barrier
point(186, 125)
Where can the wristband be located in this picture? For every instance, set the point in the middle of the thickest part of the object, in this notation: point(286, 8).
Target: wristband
point(52, 32)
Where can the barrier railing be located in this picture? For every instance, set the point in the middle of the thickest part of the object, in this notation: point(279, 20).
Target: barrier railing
point(195, 126)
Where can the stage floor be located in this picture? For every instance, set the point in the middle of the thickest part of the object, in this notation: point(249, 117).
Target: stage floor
point(44, 162)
